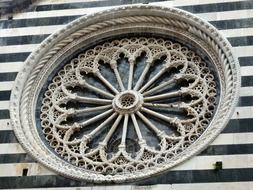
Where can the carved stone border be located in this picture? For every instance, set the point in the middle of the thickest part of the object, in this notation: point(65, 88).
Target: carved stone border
point(22, 104)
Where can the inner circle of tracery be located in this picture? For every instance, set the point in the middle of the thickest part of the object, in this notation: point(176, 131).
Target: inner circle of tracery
point(128, 105)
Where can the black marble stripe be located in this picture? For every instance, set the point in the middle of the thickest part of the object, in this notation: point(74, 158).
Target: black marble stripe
point(218, 7)
point(241, 41)
point(247, 81)
point(169, 177)
point(245, 101)
point(239, 126)
point(212, 7)
point(13, 57)
point(228, 149)
point(8, 76)
point(7, 136)
point(4, 114)
point(19, 40)
point(91, 4)
point(220, 24)
point(5, 95)
point(36, 21)
point(16, 158)
point(232, 24)
point(246, 61)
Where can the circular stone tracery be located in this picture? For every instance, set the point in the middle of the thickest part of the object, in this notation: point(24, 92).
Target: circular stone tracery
point(173, 85)
point(182, 93)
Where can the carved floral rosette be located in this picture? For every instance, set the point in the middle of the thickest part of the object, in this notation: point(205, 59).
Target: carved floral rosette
point(180, 71)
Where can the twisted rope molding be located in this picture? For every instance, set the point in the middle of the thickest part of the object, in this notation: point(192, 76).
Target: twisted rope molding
point(167, 16)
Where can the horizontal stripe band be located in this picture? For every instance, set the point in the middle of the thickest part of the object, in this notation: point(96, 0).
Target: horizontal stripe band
point(210, 16)
point(182, 186)
point(60, 20)
point(192, 176)
point(222, 139)
point(212, 7)
point(36, 39)
point(195, 163)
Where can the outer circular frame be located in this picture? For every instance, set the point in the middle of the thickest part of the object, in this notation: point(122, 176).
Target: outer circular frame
point(81, 32)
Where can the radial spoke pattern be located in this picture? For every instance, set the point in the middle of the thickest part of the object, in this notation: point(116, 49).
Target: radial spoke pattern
point(128, 105)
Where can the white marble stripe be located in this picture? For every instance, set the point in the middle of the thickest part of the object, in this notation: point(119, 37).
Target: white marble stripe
point(247, 70)
point(237, 32)
point(33, 30)
point(40, 30)
point(6, 85)
point(195, 163)
point(240, 51)
point(243, 112)
point(5, 125)
point(18, 48)
point(196, 2)
point(243, 51)
point(233, 138)
point(211, 16)
point(227, 15)
point(246, 91)
point(54, 2)
point(11, 148)
point(4, 105)
point(10, 67)
point(210, 186)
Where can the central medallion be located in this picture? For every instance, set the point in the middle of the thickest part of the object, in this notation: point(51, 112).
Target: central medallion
point(127, 102)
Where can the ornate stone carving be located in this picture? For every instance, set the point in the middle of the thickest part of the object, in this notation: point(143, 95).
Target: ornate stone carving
point(125, 108)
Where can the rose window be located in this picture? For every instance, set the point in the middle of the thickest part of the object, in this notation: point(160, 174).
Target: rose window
point(136, 89)
point(125, 94)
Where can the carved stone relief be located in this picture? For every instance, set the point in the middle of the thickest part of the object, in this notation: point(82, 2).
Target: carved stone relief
point(125, 94)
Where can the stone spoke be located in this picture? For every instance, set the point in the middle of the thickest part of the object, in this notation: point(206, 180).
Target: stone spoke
point(142, 77)
point(91, 100)
point(93, 109)
point(165, 96)
point(99, 91)
point(158, 115)
point(95, 119)
point(158, 132)
point(157, 88)
point(99, 128)
point(124, 132)
point(130, 77)
point(137, 130)
point(111, 131)
point(167, 106)
point(74, 96)
point(152, 80)
point(116, 72)
point(108, 84)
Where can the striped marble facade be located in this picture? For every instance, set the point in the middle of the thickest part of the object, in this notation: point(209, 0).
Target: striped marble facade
point(21, 33)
